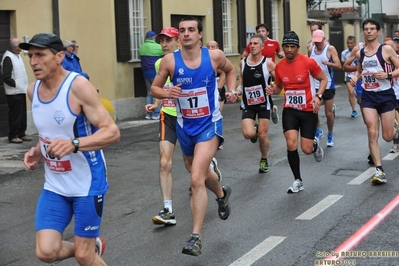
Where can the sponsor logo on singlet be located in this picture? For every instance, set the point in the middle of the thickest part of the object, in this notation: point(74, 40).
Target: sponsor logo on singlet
point(58, 116)
point(371, 63)
point(184, 81)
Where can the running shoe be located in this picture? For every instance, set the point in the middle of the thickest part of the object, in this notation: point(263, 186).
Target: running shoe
point(155, 117)
point(396, 126)
point(214, 163)
point(378, 178)
point(264, 166)
point(296, 187)
point(100, 245)
point(148, 116)
point(354, 114)
point(370, 159)
point(193, 246)
point(254, 139)
point(224, 207)
point(330, 140)
point(394, 148)
point(164, 217)
point(275, 114)
point(318, 152)
point(319, 133)
point(333, 109)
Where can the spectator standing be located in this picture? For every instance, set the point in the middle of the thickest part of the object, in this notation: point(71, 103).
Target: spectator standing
point(15, 85)
point(71, 60)
point(150, 52)
point(76, 46)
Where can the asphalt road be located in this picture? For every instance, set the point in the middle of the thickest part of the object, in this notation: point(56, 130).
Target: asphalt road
point(267, 226)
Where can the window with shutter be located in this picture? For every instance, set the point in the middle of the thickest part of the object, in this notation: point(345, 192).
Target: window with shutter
point(122, 30)
point(129, 23)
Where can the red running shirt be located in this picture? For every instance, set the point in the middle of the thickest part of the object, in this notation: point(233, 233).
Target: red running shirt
point(295, 77)
point(270, 48)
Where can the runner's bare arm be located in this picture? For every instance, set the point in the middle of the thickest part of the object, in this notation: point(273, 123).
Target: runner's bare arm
point(347, 64)
point(165, 70)
point(336, 63)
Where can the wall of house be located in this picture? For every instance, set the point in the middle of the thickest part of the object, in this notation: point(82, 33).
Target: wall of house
point(92, 25)
point(299, 23)
point(25, 21)
point(96, 43)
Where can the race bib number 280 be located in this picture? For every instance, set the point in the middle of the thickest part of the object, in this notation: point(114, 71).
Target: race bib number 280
point(295, 99)
point(194, 103)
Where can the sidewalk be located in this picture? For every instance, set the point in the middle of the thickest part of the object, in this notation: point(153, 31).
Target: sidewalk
point(12, 155)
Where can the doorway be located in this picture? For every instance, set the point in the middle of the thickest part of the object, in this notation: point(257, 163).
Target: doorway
point(5, 35)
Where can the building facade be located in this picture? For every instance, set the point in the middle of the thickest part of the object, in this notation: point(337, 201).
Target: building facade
point(109, 33)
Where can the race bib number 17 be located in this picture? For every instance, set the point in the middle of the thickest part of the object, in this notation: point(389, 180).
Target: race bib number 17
point(194, 103)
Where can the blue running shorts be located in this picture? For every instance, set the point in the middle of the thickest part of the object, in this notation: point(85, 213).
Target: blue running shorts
point(54, 211)
point(382, 101)
point(359, 89)
point(187, 143)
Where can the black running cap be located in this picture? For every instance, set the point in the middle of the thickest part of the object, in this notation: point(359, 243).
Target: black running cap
point(290, 38)
point(44, 40)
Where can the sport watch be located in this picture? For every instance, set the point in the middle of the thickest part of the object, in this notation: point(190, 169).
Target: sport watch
point(320, 96)
point(75, 143)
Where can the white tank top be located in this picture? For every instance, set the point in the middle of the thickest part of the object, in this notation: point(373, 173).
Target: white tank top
point(77, 174)
point(396, 86)
point(372, 64)
point(328, 71)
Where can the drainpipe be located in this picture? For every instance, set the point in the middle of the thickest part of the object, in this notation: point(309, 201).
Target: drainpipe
point(56, 17)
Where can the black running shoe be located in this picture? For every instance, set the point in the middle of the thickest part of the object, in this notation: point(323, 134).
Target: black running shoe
point(224, 207)
point(254, 139)
point(193, 246)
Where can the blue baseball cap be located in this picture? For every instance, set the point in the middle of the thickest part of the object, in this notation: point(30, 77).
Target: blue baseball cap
point(150, 34)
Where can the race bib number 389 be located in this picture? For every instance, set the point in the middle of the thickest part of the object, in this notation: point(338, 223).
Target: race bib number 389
point(194, 103)
point(369, 81)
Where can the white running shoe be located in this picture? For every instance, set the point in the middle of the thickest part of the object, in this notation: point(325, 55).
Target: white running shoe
point(378, 178)
point(100, 245)
point(318, 152)
point(296, 187)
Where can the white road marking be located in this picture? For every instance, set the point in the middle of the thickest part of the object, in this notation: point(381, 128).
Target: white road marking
point(258, 251)
point(363, 177)
point(319, 207)
point(390, 156)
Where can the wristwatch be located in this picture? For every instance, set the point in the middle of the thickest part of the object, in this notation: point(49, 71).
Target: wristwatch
point(320, 96)
point(75, 143)
point(390, 75)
